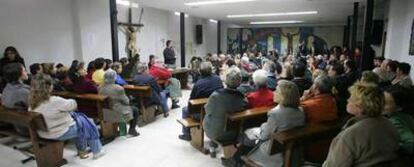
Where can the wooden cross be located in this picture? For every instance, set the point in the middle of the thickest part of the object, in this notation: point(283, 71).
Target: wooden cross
point(130, 24)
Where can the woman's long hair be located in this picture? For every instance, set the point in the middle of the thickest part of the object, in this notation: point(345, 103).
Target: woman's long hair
point(12, 49)
point(40, 90)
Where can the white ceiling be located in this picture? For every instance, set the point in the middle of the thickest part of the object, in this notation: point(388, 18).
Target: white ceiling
point(329, 11)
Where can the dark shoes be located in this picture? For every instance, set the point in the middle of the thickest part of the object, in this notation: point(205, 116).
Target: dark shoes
point(133, 133)
point(174, 106)
point(184, 137)
point(230, 162)
point(166, 114)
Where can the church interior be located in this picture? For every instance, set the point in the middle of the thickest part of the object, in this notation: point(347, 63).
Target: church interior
point(207, 83)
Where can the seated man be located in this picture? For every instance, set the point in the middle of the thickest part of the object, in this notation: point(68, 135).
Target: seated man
point(173, 87)
point(270, 68)
point(299, 70)
point(263, 96)
point(220, 103)
point(203, 88)
point(158, 96)
point(16, 93)
point(320, 106)
point(245, 86)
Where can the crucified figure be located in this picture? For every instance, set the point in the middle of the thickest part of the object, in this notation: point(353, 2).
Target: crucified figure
point(131, 34)
point(289, 37)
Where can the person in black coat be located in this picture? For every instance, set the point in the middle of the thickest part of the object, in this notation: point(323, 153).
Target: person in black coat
point(10, 55)
point(169, 55)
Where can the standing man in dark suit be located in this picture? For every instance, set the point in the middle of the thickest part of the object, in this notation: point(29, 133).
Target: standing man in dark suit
point(169, 55)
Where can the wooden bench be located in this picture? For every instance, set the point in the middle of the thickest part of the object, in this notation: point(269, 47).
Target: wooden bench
point(96, 102)
point(141, 93)
point(237, 119)
point(182, 75)
point(195, 106)
point(48, 153)
point(294, 138)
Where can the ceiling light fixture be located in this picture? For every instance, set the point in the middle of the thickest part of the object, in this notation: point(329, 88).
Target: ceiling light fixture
point(178, 14)
point(213, 21)
point(273, 14)
point(212, 2)
point(277, 22)
point(127, 3)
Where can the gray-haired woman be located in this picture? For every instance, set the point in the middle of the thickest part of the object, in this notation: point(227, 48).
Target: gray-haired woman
point(120, 111)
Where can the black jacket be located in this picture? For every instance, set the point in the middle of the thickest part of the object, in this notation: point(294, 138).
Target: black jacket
point(169, 56)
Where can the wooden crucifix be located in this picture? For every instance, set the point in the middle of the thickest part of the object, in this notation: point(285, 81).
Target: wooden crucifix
point(130, 29)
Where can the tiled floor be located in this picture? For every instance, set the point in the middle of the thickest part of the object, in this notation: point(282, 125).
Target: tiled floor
point(158, 146)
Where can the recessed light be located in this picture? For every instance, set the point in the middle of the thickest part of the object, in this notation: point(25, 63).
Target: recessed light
point(273, 14)
point(212, 2)
point(277, 22)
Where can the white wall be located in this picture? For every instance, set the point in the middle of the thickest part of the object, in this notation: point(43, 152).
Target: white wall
point(64, 30)
point(41, 30)
point(400, 20)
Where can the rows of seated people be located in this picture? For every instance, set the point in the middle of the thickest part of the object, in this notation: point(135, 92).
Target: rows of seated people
point(34, 92)
point(373, 106)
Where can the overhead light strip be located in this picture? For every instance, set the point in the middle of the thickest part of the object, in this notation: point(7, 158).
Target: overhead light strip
point(277, 22)
point(273, 14)
point(127, 3)
point(215, 2)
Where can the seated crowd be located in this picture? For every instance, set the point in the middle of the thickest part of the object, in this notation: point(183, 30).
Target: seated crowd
point(373, 106)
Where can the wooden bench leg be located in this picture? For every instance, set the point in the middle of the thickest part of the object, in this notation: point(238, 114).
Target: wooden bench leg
point(50, 155)
point(109, 130)
point(197, 139)
point(287, 155)
point(229, 151)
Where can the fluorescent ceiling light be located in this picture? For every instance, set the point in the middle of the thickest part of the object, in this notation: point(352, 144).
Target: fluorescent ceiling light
point(277, 22)
point(178, 14)
point(212, 2)
point(273, 14)
point(127, 3)
point(213, 21)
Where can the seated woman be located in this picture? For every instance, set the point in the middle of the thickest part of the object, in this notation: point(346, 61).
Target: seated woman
point(80, 83)
point(362, 140)
point(15, 93)
point(245, 87)
point(263, 96)
point(61, 125)
point(285, 116)
point(121, 110)
point(397, 101)
point(158, 97)
point(218, 107)
point(117, 66)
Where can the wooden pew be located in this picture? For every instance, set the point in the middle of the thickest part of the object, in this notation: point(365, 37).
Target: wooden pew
point(238, 118)
point(108, 130)
point(140, 93)
point(294, 138)
point(196, 106)
point(182, 75)
point(48, 153)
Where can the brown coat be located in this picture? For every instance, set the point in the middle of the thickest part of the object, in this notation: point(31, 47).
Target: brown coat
point(364, 141)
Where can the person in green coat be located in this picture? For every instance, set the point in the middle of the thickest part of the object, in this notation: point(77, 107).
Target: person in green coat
point(397, 100)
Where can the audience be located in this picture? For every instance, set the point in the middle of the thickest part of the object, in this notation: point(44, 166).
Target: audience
point(270, 69)
point(80, 83)
point(35, 68)
point(15, 94)
point(203, 88)
point(245, 86)
point(120, 109)
point(58, 114)
point(90, 70)
point(362, 140)
point(370, 77)
point(263, 96)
